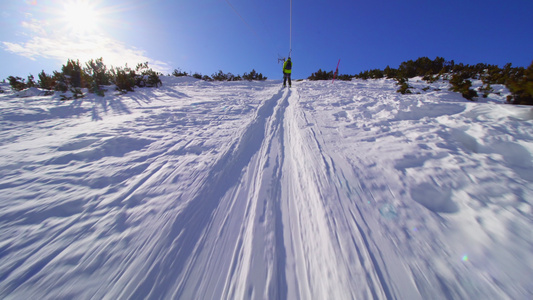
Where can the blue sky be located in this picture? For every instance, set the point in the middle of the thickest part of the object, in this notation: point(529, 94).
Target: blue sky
point(240, 35)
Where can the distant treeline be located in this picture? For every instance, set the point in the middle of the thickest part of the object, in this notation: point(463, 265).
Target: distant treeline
point(94, 75)
point(221, 76)
point(518, 80)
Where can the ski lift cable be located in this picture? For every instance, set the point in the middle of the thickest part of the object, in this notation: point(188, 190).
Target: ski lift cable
point(290, 30)
point(246, 23)
point(290, 34)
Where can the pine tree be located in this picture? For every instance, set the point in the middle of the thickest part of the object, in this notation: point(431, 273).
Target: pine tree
point(73, 73)
point(46, 81)
point(31, 81)
point(321, 75)
point(17, 83)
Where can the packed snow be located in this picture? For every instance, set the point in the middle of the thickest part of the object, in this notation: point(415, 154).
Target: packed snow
point(247, 190)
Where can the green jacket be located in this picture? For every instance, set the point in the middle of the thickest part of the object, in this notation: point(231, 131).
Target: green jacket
point(287, 67)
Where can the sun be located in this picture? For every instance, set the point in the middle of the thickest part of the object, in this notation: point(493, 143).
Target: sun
point(80, 16)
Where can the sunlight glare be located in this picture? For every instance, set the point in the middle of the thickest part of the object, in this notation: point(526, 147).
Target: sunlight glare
point(80, 16)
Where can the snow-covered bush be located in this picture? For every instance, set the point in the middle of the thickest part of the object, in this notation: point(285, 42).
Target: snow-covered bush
point(518, 80)
point(430, 77)
point(404, 86)
point(486, 89)
point(521, 87)
point(462, 85)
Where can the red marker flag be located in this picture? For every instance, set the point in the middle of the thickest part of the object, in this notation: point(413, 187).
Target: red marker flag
point(336, 71)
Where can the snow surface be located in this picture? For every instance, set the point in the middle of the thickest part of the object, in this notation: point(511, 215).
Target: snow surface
point(245, 190)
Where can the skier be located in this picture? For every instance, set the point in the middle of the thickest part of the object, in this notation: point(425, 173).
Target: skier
point(287, 69)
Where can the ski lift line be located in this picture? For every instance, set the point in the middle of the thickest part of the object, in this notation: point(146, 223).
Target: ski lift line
point(290, 31)
point(290, 34)
point(242, 19)
point(246, 23)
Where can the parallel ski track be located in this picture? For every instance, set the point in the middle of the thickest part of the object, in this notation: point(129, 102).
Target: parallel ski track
point(277, 216)
point(318, 241)
point(301, 233)
point(176, 250)
point(329, 193)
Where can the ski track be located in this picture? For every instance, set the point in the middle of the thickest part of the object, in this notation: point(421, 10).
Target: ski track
point(239, 191)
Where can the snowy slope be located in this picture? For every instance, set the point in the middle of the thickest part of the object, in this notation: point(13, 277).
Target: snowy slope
point(244, 190)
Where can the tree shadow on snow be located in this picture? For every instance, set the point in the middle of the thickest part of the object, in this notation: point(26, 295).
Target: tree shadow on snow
point(147, 95)
point(116, 105)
